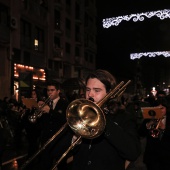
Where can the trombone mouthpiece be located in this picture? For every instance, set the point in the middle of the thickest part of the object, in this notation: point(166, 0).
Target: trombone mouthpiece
point(90, 98)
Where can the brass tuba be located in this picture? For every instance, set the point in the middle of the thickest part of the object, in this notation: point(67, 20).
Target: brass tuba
point(85, 118)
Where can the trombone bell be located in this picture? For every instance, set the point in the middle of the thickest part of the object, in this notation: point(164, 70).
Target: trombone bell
point(85, 118)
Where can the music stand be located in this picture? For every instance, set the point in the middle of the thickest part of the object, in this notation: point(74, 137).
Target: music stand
point(30, 103)
point(151, 112)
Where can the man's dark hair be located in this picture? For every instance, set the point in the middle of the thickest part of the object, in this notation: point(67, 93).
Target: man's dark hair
point(54, 83)
point(105, 77)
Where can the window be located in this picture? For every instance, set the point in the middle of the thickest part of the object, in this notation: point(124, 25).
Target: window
point(56, 42)
point(68, 27)
point(26, 58)
point(68, 24)
point(26, 34)
point(57, 19)
point(3, 15)
point(39, 39)
point(68, 48)
point(77, 33)
point(77, 51)
point(68, 6)
point(77, 11)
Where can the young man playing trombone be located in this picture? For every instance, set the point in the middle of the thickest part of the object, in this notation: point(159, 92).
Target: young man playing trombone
point(104, 141)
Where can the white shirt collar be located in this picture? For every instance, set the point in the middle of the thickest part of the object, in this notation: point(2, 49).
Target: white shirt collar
point(55, 102)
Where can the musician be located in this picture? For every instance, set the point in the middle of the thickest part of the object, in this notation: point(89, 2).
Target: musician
point(33, 129)
point(119, 141)
point(27, 129)
point(156, 154)
point(52, 119)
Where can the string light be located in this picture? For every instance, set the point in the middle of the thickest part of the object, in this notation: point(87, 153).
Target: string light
point(38, 74)
point(149, 54)
point(115, 21)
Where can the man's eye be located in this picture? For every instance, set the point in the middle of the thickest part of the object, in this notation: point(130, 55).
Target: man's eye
point(97, 90)
point(50, 90)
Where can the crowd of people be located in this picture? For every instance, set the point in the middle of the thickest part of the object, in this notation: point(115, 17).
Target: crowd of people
point(112, 144)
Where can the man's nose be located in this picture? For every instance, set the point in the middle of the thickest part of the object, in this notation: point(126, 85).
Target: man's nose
point(91, 95)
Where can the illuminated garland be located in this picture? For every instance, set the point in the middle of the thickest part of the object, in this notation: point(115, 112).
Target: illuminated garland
point(115, 21)
point(149, 54)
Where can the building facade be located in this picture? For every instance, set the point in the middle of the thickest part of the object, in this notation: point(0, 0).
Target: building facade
point(42, 40)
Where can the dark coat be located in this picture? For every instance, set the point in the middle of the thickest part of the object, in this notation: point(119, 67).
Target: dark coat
point(51, 123)
point(118, 143)
point(54, 120)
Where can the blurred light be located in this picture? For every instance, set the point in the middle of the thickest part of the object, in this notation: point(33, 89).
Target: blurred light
point(153, 91)
point(36, 44)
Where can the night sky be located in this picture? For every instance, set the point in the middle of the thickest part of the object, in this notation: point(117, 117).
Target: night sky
point(117, 42)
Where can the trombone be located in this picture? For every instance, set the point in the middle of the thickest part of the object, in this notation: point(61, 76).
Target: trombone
point(38, 112)
point(156, 132)
point(85, 118)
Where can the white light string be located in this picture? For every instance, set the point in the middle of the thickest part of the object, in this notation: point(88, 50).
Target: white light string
point(149, 54)
point(115, 21)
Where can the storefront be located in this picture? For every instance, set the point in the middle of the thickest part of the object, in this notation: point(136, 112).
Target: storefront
point(27, 78)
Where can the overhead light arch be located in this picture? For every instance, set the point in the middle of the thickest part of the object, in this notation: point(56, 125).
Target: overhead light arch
point(115, 21)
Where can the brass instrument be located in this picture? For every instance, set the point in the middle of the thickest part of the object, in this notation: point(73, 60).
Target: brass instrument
point(155, 131)
point(85, 118)
point(38, 112)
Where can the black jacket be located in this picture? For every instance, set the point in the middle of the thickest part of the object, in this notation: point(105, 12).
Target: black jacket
point(50, 124)
point(54, 120)
point(118, 143)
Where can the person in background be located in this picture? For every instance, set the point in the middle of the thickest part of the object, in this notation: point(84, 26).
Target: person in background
point(159, 96)
point(52, 119)
point(134, 107)
point(33, 130)
point(34, 95)
point(26, 129)
point(157, 132)
point(54, 111)
point(119, 141)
